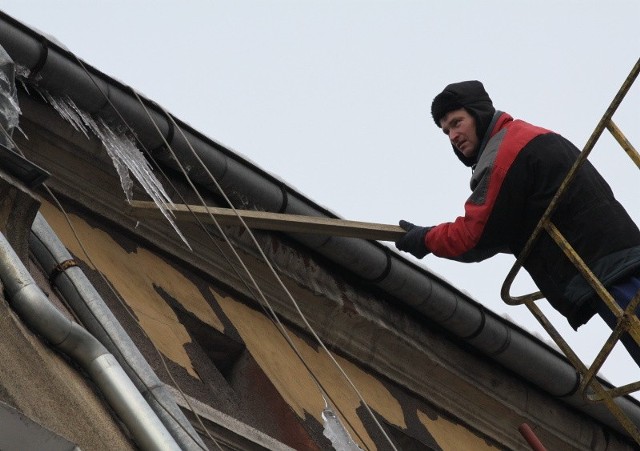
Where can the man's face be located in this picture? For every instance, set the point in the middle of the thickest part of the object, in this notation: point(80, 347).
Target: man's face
point(460, 127)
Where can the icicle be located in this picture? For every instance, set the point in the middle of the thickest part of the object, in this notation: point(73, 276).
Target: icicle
point(336, 433)
point(124, 154)
point(9, 108)
point(61, 105)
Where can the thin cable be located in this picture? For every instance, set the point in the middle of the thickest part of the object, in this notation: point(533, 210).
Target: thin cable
point(266, 260)
point(266, 306)
point(284, 288)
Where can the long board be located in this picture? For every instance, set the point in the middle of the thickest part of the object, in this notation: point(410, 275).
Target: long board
point(271, 221)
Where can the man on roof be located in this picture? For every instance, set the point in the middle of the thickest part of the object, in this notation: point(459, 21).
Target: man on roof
point(517, 168)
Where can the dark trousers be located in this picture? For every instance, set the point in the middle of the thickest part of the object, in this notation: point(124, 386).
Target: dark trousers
point(623, 292)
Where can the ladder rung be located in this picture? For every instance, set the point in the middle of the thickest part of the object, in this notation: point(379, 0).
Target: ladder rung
point(624, 142)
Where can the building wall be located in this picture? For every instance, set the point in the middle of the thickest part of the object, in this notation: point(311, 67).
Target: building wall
point(296, 380)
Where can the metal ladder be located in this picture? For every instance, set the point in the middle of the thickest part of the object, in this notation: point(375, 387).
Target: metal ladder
point(591, 389)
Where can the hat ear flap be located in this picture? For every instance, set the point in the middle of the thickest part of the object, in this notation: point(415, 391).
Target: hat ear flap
point(468, 162)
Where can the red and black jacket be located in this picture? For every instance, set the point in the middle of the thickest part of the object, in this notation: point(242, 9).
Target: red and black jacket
point(518, 171)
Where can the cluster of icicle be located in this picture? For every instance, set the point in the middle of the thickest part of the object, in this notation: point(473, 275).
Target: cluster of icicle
point(9, 109)
point(126, 157)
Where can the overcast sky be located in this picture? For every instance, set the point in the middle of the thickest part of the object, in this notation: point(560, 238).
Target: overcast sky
point(333, 97)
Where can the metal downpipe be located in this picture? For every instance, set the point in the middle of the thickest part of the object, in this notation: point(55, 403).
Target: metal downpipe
point(28, 300)
point(91, 309)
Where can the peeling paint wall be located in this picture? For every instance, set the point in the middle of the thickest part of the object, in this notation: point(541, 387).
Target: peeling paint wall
point(138, 274)
point(292, 380)
point(269, 348)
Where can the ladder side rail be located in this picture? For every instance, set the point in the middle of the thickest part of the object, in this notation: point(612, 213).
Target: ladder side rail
point(597, 132)
point(627, 320)
point(599, 391)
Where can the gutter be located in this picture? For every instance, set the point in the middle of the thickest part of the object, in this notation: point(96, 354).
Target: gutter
point(58, 71)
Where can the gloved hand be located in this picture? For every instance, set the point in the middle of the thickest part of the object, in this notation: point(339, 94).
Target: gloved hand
point(413, 240)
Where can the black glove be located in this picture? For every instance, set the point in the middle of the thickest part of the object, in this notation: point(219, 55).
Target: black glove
point(413, 240)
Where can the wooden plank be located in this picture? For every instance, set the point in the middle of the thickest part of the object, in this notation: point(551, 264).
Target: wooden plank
point(271, 221)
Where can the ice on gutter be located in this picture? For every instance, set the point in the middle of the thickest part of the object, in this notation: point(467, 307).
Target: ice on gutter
point(126, 157)
point(9, 109)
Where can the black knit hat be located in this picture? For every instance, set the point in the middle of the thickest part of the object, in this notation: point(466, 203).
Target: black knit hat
point(471, 96)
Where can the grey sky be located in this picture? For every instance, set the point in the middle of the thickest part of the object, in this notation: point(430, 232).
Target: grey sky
point(333, 96)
